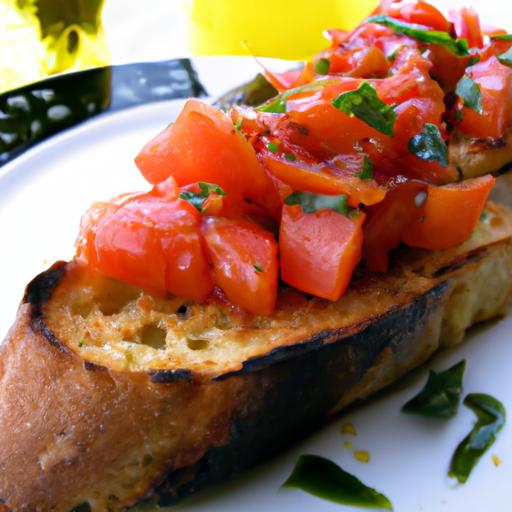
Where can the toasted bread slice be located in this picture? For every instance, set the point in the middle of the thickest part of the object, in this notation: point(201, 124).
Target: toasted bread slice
point(110, 396)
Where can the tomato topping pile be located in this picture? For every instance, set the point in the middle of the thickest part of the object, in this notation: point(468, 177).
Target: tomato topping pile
point(346, 163)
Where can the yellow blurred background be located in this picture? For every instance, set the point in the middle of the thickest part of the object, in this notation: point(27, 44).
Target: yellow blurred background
point(288, 29)
point(42, 37)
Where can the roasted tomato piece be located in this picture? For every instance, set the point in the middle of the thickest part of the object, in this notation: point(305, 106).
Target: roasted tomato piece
point(152, 243)
point(495, 82)
point(203, 145)
point(244, 262)
point(450, 214)
point(319, 251)
point(388, 221)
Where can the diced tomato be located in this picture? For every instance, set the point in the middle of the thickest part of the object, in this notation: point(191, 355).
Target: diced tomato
point(450, 214)
point(319, 250)
point(244, 262)
point(152, 243)
point(336, 177)
point(203, 145)
point(389, 220)
point(419, 13)
point(467, 26)
point(495, 82)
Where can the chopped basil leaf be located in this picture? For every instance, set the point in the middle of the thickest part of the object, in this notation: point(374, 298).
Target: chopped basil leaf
point(469, 91)
point(506, 58)
point(197, 199)
point(456, 46)
point(473, 60)
point(366, 105)
point(491, 418)
point(258, 267)
point(322, 66)
point(502, 37)
point(459, 116)
point(314, 202)
point(325, 479)
point(429, 145)
point(272, 147)
point(440, 396)
point(366, 172)
point(290, 157)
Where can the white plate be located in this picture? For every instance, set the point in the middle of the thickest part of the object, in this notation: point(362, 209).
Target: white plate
point(42, 195)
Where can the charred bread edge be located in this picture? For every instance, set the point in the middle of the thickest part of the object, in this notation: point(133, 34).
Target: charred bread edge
point(291, 390)
point(286, 415)
point(269, 423)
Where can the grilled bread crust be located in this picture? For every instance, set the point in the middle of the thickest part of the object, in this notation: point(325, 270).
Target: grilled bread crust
point(109, 396)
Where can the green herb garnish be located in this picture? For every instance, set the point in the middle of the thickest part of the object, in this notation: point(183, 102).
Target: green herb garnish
point(322, 66)
point(272, 147)
point(258, 267)
point(366, 105)
point(440, 396)
point(325, 479)
point(469, 91)
point(429, 145)
point(197, 199)
point(502, 37)
point(491, 418)
point(314, 202)
point(290, 157)
point(456, 46)
point(506, 58)
point(366, 173)
point(473, 60)
point(459, 116)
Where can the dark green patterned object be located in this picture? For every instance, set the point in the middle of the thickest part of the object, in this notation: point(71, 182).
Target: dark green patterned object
point(31, 113)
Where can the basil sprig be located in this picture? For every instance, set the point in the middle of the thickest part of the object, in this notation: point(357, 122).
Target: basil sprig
point(366, 105)
point(429, 145)
point(366, 173)
point(506, 58)
point(469, 91)
point(197, 199)
point(441, 394)
point(314, 202)
point(325, 479)
point(502, 37)
point(457, 46)
point(490, 420)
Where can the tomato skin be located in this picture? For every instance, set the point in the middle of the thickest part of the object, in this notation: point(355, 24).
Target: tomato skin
point(319, 251)
point(234, 247)
point(203, 145)
point(387, 222)
point(495, 82)
point(450, 214)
